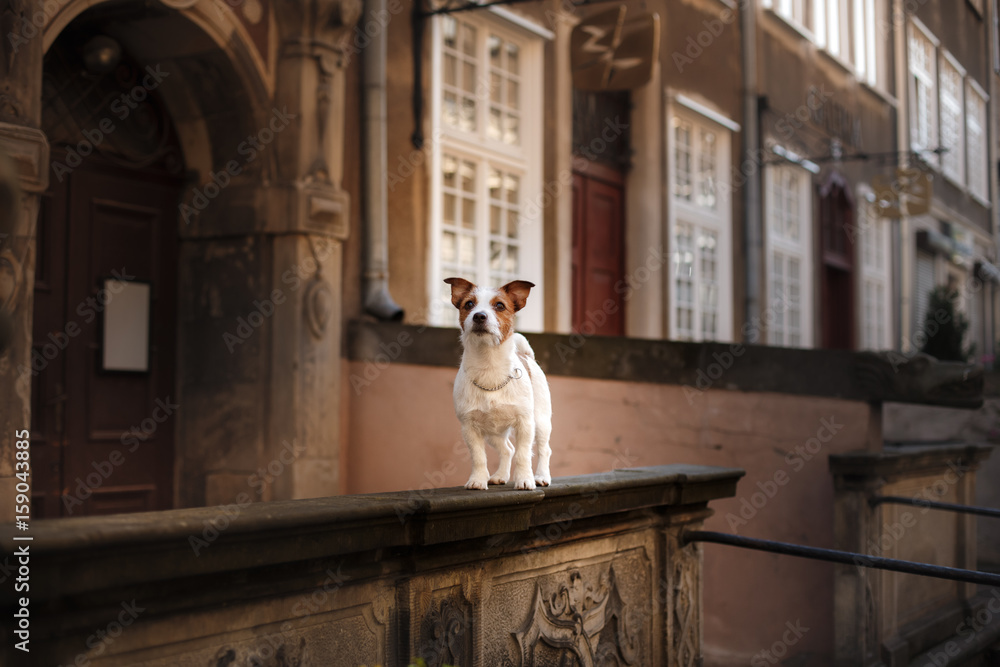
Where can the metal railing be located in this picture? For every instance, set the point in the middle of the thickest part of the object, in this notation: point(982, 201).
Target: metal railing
point(844, 557)
point(932, 504)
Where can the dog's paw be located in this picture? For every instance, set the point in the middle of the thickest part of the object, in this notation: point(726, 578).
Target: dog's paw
point(498, 479)
point(524, 483)
point(477, 483)
point(543, 480)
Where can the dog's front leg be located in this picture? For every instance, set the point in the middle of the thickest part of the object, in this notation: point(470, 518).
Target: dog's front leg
point(523, 435)
point(506, 450)
point(480, 477)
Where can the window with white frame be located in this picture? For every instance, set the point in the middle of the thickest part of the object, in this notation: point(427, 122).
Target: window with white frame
point(700, 230)
point(486, 164)
point(975, 130)
point(794, 10)
point(788, 207)
point(847, 29)
point(952, 122)
point(923, 83)
point(868, 16)
point(872, 241)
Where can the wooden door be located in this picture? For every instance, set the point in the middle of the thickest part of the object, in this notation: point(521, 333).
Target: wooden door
point(598, 252)
point(837, 267)
point(103, 440)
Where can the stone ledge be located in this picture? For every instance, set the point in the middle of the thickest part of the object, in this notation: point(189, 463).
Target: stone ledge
point(906, 460)
point(91, 553)
point(857, 376)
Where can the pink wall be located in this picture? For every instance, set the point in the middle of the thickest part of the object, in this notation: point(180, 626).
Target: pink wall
point(402, 434)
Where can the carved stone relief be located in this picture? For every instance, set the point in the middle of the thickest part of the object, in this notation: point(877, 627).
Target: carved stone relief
point(446, 634)
point(263, 653)
point(574, 618)
point(685, 645)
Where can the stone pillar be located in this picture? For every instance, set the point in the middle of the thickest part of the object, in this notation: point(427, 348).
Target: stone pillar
point(306, 224)
point(885, 616)
point(22, 140)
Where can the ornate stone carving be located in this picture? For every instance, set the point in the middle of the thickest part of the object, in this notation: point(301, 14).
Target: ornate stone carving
point(322, 22)
point(318, 306)
point(572, 619)
point(446, 634)
point(270, 651)
point(685, 634)
point(890, 376)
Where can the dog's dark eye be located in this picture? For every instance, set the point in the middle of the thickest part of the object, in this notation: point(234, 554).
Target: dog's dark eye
point(469, 305)
point(499, 306)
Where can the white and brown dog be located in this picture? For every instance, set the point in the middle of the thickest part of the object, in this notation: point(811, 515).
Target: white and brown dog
point(501, 395)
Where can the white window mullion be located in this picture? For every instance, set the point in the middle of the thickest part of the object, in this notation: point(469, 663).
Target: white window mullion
point(860, 38)
point(976, 137)
point(700, 285)
point(871, 44)
point(820, 23)
point(833, 26)
point(788, 256)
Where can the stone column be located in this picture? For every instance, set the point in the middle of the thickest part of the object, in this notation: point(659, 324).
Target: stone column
point(874, 616)
point(22, 140)
point(307, 222)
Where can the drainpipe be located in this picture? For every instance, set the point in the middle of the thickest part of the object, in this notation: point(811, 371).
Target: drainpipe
point(751, 137)
point(378, 301)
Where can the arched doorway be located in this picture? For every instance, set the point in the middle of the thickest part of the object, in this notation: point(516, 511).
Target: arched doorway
point(836, 211)
point(143, 105)
point(105, 280)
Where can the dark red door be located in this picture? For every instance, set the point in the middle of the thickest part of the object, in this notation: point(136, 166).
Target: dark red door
point(103, 441)
point(598, 252)
point(837, 266)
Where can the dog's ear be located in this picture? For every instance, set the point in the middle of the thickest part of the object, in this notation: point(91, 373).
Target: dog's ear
point(518, 292)
point(459, 288)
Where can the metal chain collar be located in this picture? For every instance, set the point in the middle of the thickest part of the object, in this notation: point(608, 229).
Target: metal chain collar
point(515, 376)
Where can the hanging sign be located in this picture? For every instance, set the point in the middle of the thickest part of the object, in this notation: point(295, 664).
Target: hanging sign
point(907, 192)
point(608, 52)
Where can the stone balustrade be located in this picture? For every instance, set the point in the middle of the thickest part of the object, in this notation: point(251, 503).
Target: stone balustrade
point(590, 566)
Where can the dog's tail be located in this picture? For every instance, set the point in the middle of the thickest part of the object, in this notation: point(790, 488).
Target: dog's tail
point(521, 346)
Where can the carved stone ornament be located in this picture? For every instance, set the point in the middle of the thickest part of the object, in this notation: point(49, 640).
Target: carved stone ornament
point(318, 306)
point(572, 620)
point(685, 649)
point(321, 22)
point(269, 651)
point(445, 634)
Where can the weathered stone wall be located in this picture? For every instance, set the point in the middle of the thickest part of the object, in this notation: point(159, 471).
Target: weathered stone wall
point(908, 423)
point(892, 618)
point(592, 567)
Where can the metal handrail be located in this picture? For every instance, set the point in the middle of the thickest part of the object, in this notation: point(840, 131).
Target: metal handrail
point(845, 557)
point(933, 504)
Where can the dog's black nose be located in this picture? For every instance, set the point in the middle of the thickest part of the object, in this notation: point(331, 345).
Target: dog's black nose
point(479, 318)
